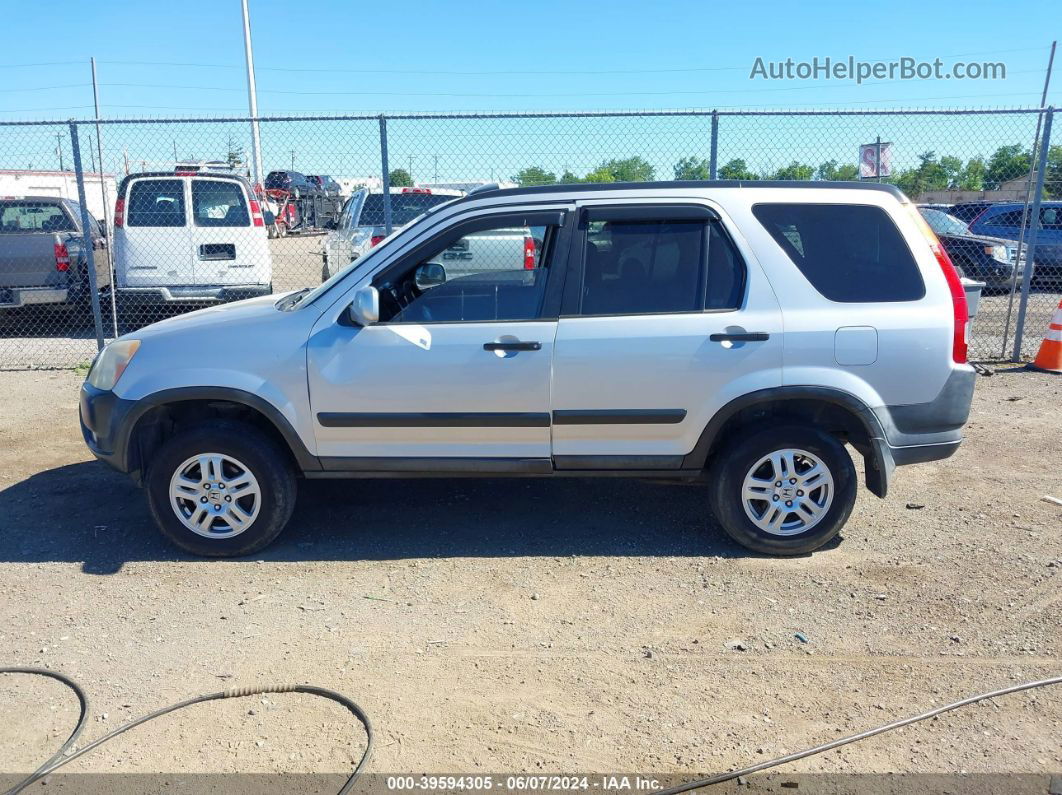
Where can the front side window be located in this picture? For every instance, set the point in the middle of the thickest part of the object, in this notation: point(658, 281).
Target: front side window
point(219, 203)
point(29, 216)
point(851, 253)
point(1008, 218)
point(491, 274)
point(651, 267)
point(156, 202)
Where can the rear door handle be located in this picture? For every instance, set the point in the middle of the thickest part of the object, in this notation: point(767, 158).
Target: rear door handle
point(748, 336)
point(512, 346)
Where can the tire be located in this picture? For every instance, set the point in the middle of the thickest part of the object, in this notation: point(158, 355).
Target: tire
point(237, 445)
point(833, 493)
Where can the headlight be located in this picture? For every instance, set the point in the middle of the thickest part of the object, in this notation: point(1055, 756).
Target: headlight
point(999, 252)
point(111, 363)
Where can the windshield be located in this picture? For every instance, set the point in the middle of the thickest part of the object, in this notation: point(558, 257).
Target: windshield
point(404, 207)
point(942, 223)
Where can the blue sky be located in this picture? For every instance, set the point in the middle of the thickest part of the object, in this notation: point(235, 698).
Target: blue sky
point(513, 55)
point(182, 59)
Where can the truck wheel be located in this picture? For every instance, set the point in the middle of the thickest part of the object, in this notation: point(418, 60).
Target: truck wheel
point(783, 491)
point(221, 489)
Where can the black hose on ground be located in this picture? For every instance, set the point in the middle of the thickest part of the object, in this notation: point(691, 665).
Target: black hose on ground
point(57, 760)
point(60, 757)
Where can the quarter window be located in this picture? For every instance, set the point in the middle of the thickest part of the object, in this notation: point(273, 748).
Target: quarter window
point(156, 202)
point(850, 253)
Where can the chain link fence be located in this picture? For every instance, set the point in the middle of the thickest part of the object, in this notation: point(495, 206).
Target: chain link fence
point(176, 222)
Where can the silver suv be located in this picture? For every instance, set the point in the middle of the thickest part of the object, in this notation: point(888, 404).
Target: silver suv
point(736, 335)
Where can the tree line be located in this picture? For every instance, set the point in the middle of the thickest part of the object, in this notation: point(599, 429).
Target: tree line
point(932, 172)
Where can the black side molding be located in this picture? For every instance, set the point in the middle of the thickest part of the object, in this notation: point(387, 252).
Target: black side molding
point(451, 419)
point(618, 416)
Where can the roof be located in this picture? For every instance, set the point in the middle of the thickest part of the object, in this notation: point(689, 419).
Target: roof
point(597, 187)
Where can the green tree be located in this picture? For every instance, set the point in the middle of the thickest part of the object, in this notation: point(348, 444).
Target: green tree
point(692, 168)
point(631, 169)
point(973, 175)
point(234, 157)
point(831, 171)
point(1007, 162)
point(1053, 174)
point(736, 169)
point(928, 175)
point(400, 178)
point(795, 170)
point(534, 175)
point(567, 178)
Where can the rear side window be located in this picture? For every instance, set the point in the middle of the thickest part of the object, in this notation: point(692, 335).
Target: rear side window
point(219, 203)
point(851, 253)
point(651, 267)
point(1008, 218)
point(29, 216)
point(156, 202)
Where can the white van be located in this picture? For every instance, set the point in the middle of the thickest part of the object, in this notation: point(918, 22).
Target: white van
point(190, 235)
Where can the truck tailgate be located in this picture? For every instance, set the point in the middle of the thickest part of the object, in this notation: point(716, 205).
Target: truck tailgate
point(28, 260)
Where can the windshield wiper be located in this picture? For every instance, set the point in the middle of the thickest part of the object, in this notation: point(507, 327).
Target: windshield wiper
point(291, 301)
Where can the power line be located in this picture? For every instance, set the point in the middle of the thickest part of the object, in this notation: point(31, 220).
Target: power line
point(492, 72)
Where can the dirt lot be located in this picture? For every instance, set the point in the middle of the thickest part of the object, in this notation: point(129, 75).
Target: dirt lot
point(540, 626)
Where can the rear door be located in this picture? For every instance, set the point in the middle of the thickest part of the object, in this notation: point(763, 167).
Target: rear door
point(226, 247)
point(664, 321)
point(153, 245)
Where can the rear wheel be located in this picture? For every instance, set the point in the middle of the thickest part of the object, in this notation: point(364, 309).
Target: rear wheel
point(221, 489)
point(783, 491)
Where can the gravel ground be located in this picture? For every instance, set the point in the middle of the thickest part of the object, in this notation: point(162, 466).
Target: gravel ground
point(539, 626)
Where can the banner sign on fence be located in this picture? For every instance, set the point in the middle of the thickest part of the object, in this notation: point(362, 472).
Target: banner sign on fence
point(869, 167)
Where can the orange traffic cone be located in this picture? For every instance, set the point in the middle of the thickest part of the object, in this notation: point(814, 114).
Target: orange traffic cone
point(1049, 359)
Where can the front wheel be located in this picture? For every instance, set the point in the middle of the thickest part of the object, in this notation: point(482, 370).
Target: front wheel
point(783, 491)
point(221, 489)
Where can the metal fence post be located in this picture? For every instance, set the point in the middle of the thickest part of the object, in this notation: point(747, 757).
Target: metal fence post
point(86, 239)
point(386, 173)
point(1034, 225)
point(713, 157)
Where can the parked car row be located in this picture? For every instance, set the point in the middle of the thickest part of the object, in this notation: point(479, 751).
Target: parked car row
point(985, 224)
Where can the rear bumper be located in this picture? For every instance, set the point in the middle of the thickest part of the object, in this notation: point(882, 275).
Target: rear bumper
point(209, 293)
point(14, 297)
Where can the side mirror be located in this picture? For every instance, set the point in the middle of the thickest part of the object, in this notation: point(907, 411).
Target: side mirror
point(365, 309)
point(428, 275)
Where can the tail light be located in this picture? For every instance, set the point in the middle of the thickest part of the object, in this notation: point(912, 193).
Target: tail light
point(374, 240)
point(529, 253)
point(960, 311)
point(119, 212)
point(62, 257)
point(256, 214)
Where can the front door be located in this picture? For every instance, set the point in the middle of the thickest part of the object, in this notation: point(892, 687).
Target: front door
point(667, 324)
point(457, 370)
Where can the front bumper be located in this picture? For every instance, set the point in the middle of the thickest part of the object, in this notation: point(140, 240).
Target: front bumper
point(104, 425)
point(210, 293)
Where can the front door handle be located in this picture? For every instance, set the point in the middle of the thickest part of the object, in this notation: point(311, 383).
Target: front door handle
point(512, 346)
point(747, 336)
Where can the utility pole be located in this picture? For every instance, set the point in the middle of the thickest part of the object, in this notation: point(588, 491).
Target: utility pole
point(436, 169)
point(252, 100)
point(292, 159)
point(105, 197)
point(175, 158)
point(59, 149)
